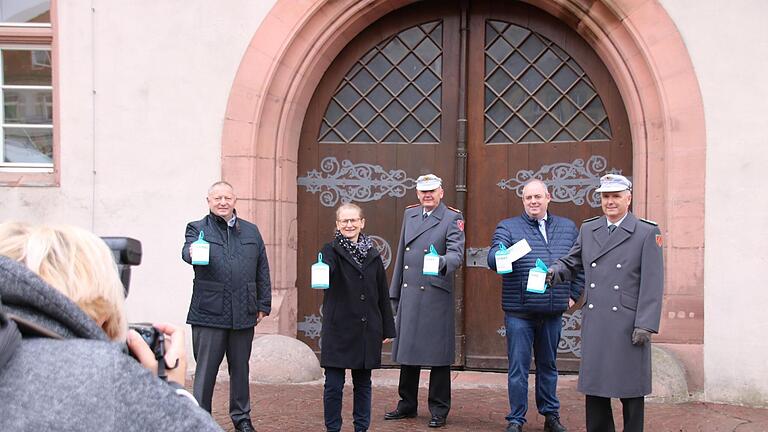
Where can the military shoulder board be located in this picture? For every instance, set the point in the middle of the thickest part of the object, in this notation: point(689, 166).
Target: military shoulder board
point(649, 222)
point(412, 206)
point(454, 209)
point(591, 219)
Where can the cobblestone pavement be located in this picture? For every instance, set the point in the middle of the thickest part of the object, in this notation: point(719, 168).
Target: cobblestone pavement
point(479, 404)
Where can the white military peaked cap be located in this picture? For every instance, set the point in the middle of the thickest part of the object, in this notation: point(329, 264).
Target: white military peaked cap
point(614, 183)
point(428, 182)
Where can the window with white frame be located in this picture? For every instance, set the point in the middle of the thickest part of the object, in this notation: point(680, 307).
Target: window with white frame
point(26, 86)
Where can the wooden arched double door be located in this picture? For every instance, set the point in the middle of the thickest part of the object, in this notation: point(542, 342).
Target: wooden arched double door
point(487, 95)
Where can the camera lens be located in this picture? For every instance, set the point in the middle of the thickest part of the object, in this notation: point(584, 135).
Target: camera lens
point(151, 336)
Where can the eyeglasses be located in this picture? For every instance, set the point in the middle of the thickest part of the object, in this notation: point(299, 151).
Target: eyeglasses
point(349, 221)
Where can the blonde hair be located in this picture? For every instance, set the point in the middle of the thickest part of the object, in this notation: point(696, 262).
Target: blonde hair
point(75, 262)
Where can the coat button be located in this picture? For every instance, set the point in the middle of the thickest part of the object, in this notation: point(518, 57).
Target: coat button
point(361, 276)
point(422, 288)
point(614, 308)
point(405, 285)
point(591, 306)
point(594, 264)
point(618, 265)
point(406, 267)
point(592, 285)
point(363, 319)
point(362, 297)
point(616, 287)
point(408, 248)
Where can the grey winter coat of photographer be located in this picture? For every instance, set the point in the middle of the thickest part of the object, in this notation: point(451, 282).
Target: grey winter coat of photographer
point(63, 358)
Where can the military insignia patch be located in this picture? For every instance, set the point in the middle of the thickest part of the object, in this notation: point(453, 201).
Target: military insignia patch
point(460, 224)
point(659, 240)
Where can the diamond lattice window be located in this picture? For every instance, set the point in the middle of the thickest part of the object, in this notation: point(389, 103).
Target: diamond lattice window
point(535, 92)
point(392, 94)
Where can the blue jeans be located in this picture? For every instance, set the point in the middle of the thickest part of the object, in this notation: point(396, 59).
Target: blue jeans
point(543, 334)
point(333, 395)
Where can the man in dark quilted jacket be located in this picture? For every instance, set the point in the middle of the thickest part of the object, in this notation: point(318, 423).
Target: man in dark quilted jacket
point(230, 295)
point(533, 319)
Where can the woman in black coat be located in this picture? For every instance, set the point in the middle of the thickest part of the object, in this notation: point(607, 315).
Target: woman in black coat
point(357, 317)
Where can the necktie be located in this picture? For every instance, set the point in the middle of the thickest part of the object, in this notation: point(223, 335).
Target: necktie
point(425, 216)
point(543, 229)
point(611, 229)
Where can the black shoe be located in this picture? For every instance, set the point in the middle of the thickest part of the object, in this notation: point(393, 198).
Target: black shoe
point(552, 424)
point(514, 427)
point(244, 425)
point(397, 415)
point(436, 422)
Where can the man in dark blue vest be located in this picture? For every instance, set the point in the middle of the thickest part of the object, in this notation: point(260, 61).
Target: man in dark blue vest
point(532, 319)
point(230, 295)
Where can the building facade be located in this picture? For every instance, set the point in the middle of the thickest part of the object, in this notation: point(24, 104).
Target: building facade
point(304, 104)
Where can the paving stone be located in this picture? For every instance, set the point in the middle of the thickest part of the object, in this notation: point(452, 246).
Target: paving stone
point(479, 404)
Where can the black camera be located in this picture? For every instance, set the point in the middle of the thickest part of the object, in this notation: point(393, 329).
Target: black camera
point(156, 341)
point(152, 336)
point(127, 253)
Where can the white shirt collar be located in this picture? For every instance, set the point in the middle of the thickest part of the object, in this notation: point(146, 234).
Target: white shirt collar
point(618, 222)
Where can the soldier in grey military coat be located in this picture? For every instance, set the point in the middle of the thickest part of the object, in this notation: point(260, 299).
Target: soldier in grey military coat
point(424, 304)
point(621, 257)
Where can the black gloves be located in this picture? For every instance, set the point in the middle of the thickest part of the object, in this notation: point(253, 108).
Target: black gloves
point(640, 336)
point(552, 278)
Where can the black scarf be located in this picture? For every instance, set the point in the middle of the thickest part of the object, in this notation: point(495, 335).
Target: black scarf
point(358, 250)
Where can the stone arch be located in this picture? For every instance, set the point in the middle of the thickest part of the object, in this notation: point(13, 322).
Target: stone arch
point(637, 41)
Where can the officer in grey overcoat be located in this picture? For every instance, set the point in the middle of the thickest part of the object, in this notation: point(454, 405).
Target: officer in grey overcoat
point(424, 304)
point(621, 257)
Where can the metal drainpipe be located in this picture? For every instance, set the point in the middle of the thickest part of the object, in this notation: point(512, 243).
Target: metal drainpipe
point(94, 147)
point(461, 177)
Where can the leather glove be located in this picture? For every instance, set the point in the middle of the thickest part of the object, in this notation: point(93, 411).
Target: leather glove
point(552, 277)
point(640, 336)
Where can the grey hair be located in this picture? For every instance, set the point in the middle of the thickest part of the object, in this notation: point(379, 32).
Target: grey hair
point(529, 182)
point(351, 206)
point(220, 183)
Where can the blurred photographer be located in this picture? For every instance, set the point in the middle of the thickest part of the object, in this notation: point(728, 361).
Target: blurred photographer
point(63, 331)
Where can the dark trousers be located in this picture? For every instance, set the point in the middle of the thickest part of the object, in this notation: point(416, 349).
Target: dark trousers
point(600, 415)
point(209, 345)
point(541, 333)
point(333, 393)
point(439, 389)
